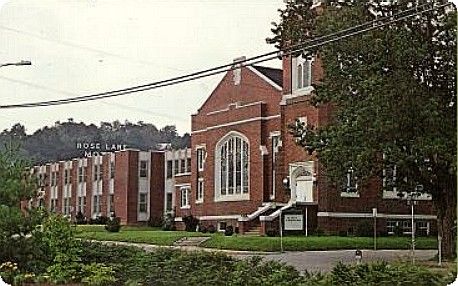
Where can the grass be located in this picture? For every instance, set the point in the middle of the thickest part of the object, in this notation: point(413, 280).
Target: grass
point(133, 234)
point(302, 243)
point(251, 243)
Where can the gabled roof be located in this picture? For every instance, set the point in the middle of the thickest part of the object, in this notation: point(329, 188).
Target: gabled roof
point(276, 75)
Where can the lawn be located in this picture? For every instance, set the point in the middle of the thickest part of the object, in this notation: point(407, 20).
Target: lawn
point(254, 243)
point(302, 243)
point(133, 234)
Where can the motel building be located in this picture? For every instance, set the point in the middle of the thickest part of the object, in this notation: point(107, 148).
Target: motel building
point(243, 169)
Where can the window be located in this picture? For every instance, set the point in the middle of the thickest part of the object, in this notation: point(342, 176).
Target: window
point(183, 165)
point(53, 205)
point(407, 227)
point(80, 174)
point(185, 195)
point(112, 169)
point(275, 143)
point(97, 172)
point(222, 226)
point(169, 202)
point(188, 165)
point(96, 205)
point(200, 159)
point(142, 203)
point(391, 227)
point(66, 206)
point(200, 190)
point(54, 178)
point(143, 169)
point(81, 204)
point(111, 207)
point(422, 228)
point(303, 73)
point(67, 177)
point(177, 167)
point(169, 168)
point(233, 166)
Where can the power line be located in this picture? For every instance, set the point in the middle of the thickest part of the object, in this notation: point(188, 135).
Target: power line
point(316, 42)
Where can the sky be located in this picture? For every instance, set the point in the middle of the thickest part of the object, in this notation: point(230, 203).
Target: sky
point(81, 47)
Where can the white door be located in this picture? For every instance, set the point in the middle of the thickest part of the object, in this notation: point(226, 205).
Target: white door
point(304, 189)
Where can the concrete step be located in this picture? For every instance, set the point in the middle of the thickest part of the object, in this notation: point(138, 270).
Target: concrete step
point(191, 241)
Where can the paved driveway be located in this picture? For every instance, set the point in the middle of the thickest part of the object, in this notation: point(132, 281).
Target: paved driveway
point(325, 260)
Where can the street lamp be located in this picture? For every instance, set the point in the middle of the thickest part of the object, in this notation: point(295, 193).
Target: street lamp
point(412, 201)
point(21, 63)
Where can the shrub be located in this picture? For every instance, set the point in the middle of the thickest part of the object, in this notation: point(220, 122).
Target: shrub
point(342, 233)
point(155, 221)
point(80, 218)
point(229, 231)
point(99, 220)
point(211, 229)
point(190, 223)
point(202, 228)
point(271, 232)
point(98, 274)
point(319, 232)
point(63, 249)
point(168, 222)
point(364, 228)
point(113, 224)
point(383, 274)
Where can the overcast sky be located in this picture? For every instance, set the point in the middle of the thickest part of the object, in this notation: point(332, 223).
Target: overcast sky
point(82, 47)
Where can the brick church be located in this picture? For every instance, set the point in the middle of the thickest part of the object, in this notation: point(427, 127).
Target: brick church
point(247, 170)
point(243, 169)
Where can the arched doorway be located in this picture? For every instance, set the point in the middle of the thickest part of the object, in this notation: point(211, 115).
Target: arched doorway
point(301, 182)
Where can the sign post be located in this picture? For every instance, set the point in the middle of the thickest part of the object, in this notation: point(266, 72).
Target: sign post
point(281, 232)
point(374, 215)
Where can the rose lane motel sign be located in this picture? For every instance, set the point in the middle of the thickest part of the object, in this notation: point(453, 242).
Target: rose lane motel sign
point(97, 148)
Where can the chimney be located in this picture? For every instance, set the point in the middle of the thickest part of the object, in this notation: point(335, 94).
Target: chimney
point(237, 71)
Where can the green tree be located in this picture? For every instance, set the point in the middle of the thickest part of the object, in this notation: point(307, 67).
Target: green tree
point(394, 95)
point(17, 184)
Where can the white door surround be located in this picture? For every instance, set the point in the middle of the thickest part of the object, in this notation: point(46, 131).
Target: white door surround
point(301, 181)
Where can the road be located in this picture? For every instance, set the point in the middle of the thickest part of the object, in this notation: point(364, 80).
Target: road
point(314, 261)
point(325, 260)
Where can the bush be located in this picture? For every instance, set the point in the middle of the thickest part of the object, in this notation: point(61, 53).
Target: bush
point(202, 228)
point(155, 221)
point(99, 220)
point(383, 274)
point(98, 274)
point(113, 224)
point(211, 229)
point(168, 223)
point(190, 223)
point(364, 228)
point(319, 232)
point(342, 233)
point(229, 231)
point(271, 232)
point(80, 218)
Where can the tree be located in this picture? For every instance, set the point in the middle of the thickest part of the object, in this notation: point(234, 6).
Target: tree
point(17, 184)
point(394, 96)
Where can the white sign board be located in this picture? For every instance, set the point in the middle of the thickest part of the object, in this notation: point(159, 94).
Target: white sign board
point(294, 222)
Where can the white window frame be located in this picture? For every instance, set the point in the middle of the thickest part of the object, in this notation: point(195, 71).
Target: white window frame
point(142, 169)
point(81, 175)
point(200, 190)
point(141, 203)
point(229, 141)
point(201, 156)
point(302, 67)
point(185, 194)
